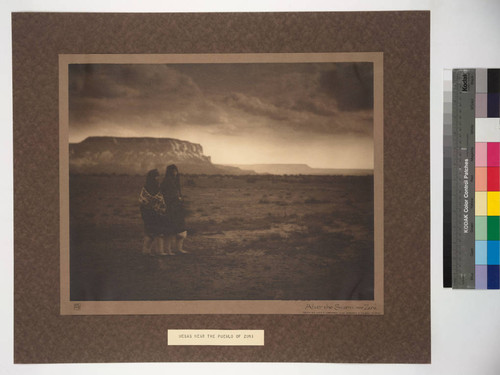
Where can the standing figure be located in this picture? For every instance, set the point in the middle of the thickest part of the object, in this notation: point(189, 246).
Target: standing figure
point(152, 207)
point(175, 226)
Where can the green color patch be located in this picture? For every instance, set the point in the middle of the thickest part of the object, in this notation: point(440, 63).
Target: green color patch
point(481, 228)
point(493, 228)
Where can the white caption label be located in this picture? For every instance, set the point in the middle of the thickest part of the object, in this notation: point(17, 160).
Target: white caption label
point(215, 337)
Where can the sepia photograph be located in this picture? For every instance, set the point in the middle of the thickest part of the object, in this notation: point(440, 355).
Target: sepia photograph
point(221, 184)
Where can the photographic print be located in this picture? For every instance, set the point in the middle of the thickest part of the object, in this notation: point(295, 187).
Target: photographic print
point(221, 184)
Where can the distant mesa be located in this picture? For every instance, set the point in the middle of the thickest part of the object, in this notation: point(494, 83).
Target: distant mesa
point(131, 156)
point(117, 155)
point(302, 169)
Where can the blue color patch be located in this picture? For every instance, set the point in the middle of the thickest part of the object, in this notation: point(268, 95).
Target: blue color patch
point(493, 277)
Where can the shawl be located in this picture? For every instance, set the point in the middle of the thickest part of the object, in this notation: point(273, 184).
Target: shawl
point(153, 202)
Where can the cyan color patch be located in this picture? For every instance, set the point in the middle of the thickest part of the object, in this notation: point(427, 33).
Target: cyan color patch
point(482, 252)
point(494, 253)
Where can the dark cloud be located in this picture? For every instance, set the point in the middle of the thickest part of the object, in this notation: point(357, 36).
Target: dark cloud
point(257, 107)
point(351, 84)
point(128, 81)
point(320, 98)
point(319, 107)
point(150, 93)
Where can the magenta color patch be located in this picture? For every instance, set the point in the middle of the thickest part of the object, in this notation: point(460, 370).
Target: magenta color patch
point(481, 105)
point(481, 154)
point(493, 154)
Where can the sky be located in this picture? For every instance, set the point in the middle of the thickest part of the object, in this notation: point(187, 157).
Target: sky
point(320, 114)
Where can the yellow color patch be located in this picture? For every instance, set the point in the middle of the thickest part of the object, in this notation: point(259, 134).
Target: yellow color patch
point(481, 203)
point(493, 203)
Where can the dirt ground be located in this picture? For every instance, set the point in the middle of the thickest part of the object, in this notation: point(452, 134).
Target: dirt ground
point(249, 238)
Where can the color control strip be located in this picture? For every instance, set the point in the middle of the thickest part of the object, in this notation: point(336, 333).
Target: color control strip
point(471, 179)
point(487, 187)
point(462, 197)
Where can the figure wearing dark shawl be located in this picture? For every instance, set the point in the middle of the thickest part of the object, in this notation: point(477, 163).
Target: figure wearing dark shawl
point(175, 225)
point(152, 207)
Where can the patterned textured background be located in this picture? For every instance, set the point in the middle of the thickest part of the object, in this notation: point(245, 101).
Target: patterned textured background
point(401, 335)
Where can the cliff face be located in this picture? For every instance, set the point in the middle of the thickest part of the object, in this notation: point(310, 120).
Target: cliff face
point(137, 156)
